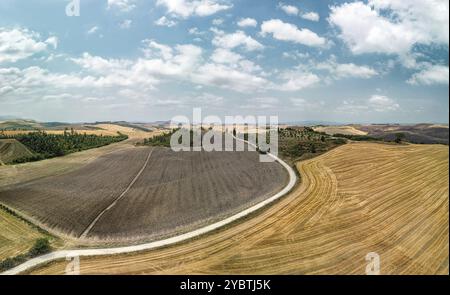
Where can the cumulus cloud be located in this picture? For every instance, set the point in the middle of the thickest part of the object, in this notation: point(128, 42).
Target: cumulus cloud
point(224, 69)
point(289, 32)
point(223, 56)
point(17, 44)
point(431, 75)
point(381, 103)
point(293, 10)
point(225, 76)
point(247, 22)
point(237, 39)
point(187, 8)
point(165, 22)
point(288, 9)
point(100, 65)
point(346, 70)
point(312, 16)
point(297, 80)
point(391, 27)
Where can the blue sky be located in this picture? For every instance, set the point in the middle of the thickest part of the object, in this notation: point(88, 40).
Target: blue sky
point(139, 60)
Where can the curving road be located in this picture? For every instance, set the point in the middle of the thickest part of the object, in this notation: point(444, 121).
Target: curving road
point(165, 242)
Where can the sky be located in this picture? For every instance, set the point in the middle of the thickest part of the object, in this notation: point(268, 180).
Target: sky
point(373, 61)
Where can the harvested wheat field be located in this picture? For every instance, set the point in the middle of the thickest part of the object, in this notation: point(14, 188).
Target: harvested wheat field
point(355, 199)
point(346, 130)
point(16, 236)
point(144, 193)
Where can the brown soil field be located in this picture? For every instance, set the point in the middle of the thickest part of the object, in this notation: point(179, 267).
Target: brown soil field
point(170, 193)
point(14, 174)
point(355, 199)
point(67, 203)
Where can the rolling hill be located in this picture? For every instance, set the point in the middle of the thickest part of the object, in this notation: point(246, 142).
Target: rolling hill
point(11, 149)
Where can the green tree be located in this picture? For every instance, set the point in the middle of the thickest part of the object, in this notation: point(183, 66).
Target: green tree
point(399, 137)
point(41, 246)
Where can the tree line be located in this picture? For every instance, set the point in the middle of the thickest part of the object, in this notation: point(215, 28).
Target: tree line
point(45, 145)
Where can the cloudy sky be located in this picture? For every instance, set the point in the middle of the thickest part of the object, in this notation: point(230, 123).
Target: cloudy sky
point(143, 60)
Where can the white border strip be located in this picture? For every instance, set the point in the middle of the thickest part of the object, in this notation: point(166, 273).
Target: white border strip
point(165, 242)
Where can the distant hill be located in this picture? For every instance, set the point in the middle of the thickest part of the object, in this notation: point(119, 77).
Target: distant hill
point(19, 124)
point(11, 149)
point(419, 133)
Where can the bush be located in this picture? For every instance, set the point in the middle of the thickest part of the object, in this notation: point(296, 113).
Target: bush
point(41, 246)
point(399, 137)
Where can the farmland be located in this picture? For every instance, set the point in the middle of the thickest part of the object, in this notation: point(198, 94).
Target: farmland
point(418, 133)
point(16, 236)
point(12, 174)
point(170, 192)
point(355, 199)
point(346, 130)
point(11, 150)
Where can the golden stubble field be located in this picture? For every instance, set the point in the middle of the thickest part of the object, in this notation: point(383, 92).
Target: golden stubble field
point(355, 199)
point(16, 236)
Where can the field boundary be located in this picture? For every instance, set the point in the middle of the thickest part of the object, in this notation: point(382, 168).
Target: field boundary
point(63, 254)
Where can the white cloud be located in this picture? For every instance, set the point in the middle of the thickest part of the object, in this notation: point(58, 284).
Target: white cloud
point(233, 40)
point(346, 70)
point(225, 56)
point(163, 51)
point(295, 55)
point(293, 10)
point(312, 16)
point(288, 9)
point(126, 24)
point(92, 30)
point(224, 76)
point(100, 65)
point(234, 60)
point(297, 80)
point(187, 8)
point(376, 103)
point(431, 75)
point(165, 22)
point(196, 31)
point(392, 27)
point(217, 21)
point(247, 22)
point(17, 44)
point(381, 103)
point(123, 5)
point(289, 32)
point(53, 41)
